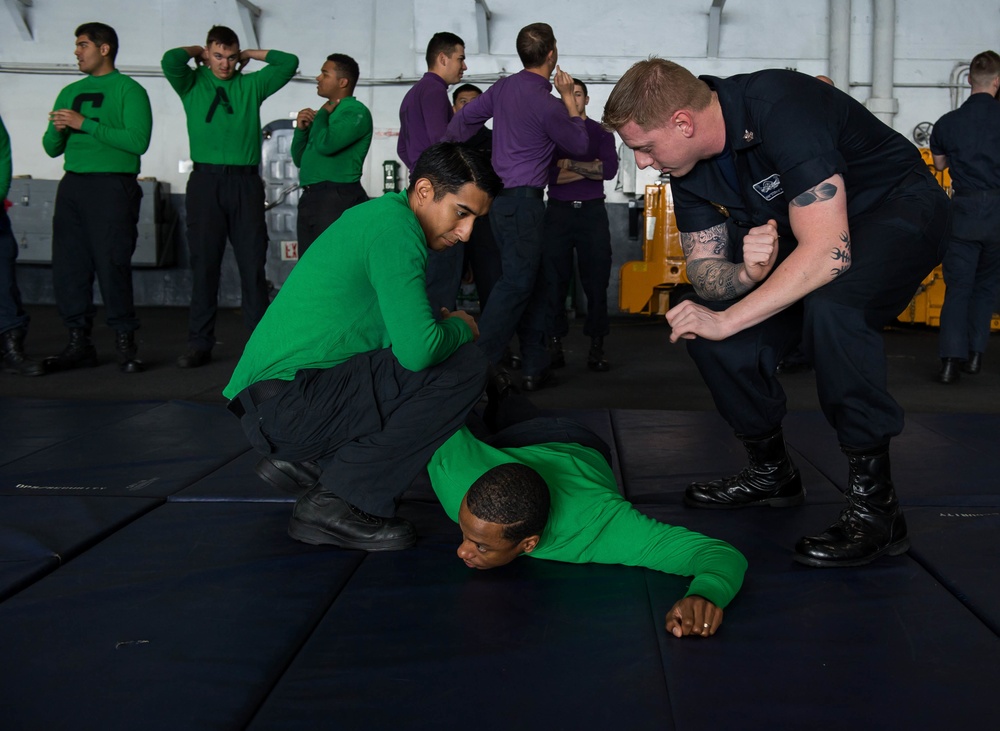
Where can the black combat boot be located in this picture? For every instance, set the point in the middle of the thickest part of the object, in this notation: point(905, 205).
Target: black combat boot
point(14, 359)
point(79, 353)
point(770, 479)
point(296, 478)
point(871, 525)
point(974, 364)
point(321, 518)
point(595, 358)
point(125, 349)
point(950, 368)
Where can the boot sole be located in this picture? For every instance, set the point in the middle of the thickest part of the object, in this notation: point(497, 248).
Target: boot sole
point(276, 478)
point(317, 537)
point(893, 549)
point(773, 502)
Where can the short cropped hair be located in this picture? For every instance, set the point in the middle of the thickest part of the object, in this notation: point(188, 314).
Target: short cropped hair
point(450, 165)
point(223, 36)
point(346, 67)
point(100, 34)
point(651, 91)
point(534, 43)
point(984, 68)
point(583, 86)
point(514, 496)
point(443, 42)
point(462, 89)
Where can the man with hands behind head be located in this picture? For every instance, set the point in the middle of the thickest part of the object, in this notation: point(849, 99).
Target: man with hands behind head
point(225, 193)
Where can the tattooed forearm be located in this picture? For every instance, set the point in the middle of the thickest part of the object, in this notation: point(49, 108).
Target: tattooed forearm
point(841, 254)
point(715, 238)
point(593, 170)
point(716, 279)
point(821, 192)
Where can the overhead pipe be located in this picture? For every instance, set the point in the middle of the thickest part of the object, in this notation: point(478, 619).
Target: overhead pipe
point(840, 43)
point(881, 103)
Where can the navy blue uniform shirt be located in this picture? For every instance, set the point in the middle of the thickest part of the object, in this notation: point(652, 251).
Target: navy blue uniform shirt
point(970, 137)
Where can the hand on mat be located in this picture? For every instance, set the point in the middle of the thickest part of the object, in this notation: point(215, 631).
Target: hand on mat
point(693, 615)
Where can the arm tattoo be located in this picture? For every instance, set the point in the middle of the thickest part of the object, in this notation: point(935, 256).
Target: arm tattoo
point(821, 192)
point(841, 254)
point(592, 170)
point(716, 279)
point(716, 237)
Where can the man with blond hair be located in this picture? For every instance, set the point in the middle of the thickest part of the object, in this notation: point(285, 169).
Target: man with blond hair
point(841, 221)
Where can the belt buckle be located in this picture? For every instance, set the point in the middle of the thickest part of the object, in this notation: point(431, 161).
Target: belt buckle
point(577, 204)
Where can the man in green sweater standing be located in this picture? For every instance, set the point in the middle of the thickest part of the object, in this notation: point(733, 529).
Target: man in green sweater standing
point(225, 194)
point(101, 125)
point(349, 369)
point(329, 148)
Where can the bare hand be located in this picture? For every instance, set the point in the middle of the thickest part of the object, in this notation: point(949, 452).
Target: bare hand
point(66, 118)
point(693, 615)
point(760, 249)
point(563, 82)
point(464, 317)
point(305, 118)
point(689, 320)
point(244, 59)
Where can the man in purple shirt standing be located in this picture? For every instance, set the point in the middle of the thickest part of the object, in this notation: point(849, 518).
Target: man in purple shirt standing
point(528, 123)
point(423, 119)
point(576, 216)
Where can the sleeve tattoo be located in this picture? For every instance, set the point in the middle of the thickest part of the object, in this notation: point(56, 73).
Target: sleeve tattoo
point(712, 278)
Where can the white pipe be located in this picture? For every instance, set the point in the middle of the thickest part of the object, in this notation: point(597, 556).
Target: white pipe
point(840, 43)
point(881, 102)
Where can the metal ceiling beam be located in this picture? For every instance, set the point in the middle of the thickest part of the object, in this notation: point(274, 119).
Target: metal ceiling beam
point(715, 27)
point(249, 14)
point(18, 12)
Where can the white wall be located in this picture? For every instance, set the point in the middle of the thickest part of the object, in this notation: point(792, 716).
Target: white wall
point(598, 40)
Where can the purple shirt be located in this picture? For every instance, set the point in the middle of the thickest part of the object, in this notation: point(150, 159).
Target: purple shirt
point(423, 117)
point(528, 123)
point(602, 147)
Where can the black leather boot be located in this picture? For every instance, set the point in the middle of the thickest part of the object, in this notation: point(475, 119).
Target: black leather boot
point(770, 479)
point(321, 518)
point(974, 364)
point(296, 478)
point(79, 353)
point(871, 525)
point(14, 359)
point(557, 359)
point(595, 358)
point(125, 349)
point(949, 370)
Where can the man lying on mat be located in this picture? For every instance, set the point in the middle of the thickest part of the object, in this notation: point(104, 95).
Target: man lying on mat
point(544, 488)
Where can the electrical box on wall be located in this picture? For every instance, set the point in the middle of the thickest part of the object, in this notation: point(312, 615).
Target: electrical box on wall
point(31, 219)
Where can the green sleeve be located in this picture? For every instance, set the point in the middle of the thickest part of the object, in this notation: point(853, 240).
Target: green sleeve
point(299, 140)
point(396, 271)
point(53, 140)
point(137, 118)
point(6, 165)
point(280, 69)
point(177, 70)
point(334, 132)
point(634, 539)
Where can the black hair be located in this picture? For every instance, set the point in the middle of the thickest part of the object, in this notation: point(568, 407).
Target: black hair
point(462, 89)
point(443, 42)
point(223, 36)
point(514, 496)
point(100, 34)
point(346, 67)
point(581, 85)
point(534, 43)
point(450, 165)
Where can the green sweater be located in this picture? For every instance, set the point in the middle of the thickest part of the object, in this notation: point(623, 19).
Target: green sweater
point(223, 117)
point(589, 521)
point(116, 130)
point(334, 146)
point(6, 165)
point(360, 287)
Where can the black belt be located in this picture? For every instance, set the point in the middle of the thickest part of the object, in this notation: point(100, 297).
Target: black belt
point(577, 204)
point(256, 394)
point(204, 167)
point(330, 185)
point(523, 191)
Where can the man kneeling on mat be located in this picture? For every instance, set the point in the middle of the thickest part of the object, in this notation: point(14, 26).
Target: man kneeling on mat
point(544, 488)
